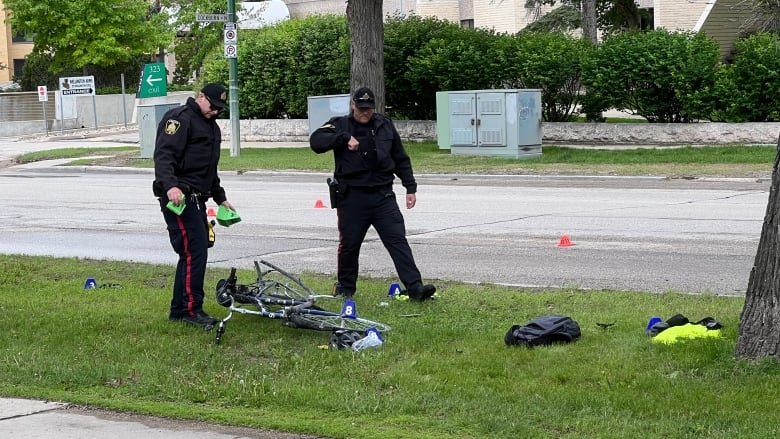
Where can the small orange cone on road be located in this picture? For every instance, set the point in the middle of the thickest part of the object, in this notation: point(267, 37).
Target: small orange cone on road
point(319, 204)
point(565, 241)
point(211, 212)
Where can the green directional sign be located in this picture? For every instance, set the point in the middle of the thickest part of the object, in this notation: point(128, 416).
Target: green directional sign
point(153, 81)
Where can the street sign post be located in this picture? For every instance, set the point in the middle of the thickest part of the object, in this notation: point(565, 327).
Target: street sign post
point(153, 82)
point(43, 97)
point(235, 147)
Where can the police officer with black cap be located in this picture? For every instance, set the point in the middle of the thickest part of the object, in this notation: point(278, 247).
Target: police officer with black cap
point(186, 155)
point(368, 154)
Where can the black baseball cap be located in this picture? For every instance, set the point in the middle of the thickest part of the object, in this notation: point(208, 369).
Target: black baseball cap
point(364, 98)
point(216, 93)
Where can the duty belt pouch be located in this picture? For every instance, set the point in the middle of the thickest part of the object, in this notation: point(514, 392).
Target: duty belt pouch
point(333, 189)
point(210, 230)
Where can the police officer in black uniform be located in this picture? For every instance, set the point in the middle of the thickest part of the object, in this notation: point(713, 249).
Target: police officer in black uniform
point(186, 155)
point(368, 155)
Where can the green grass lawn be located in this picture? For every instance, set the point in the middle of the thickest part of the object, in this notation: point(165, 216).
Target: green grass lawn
point(444, 372)
point(729, 161)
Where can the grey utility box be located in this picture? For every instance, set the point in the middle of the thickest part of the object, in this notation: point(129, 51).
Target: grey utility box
point(149, 117)
point(322, 108)
point(499, 123)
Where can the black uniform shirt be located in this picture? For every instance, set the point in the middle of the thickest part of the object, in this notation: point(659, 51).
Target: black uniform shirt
point(186, 153)
point(381, 154)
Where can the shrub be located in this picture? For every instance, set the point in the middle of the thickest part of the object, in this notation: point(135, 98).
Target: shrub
point(404, 37)
point(655, 74)
point(280, 66)
point(458, 59)
point(551, 62)
point(749, 89)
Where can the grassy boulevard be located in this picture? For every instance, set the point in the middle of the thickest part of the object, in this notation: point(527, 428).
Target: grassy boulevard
point(444, 370)
point(738, 161)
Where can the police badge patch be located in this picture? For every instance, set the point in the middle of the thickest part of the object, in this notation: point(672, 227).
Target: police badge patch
point(171, 126)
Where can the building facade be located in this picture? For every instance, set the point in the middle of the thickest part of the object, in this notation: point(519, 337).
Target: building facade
point(13, 50)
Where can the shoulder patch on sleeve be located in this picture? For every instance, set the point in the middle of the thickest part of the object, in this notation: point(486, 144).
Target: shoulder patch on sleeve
point(171, 126)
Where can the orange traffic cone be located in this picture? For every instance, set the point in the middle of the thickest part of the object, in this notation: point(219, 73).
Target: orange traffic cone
point(211, 212)
point(565, 241)
point(319, 204)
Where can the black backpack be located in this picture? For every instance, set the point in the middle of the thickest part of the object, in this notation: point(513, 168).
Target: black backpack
point(543, 331)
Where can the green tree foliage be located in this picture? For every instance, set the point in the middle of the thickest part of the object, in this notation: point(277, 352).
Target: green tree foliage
point(195, 41)
point(89, 32)
point(765, 16)
point(404, 37)
point(749, 89)
point(284, 64)
point(551, 62)
point(654, 74)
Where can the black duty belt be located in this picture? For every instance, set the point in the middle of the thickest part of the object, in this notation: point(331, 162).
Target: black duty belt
point(384, 187)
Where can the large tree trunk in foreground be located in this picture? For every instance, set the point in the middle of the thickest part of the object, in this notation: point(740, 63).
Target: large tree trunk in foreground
point(759, 324)
point(367, 45)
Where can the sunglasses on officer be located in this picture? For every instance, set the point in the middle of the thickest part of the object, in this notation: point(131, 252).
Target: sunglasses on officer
point(212, 107)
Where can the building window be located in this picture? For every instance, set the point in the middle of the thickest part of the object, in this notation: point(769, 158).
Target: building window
point(646, 19)
point(18, 68)
point(21, 38)
point(467, 24)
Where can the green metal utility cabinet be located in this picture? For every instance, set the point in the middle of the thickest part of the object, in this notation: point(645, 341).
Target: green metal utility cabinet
point(322, 108)
point(149, 117)
point(499, 123)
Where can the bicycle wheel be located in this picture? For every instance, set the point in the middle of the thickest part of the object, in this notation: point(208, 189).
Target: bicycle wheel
point(281, 290)
point(329, 321)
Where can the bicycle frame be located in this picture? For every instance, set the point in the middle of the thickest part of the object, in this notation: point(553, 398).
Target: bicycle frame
point(289, 300)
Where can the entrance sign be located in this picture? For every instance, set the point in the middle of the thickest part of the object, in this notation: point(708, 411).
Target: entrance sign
point(78, 86)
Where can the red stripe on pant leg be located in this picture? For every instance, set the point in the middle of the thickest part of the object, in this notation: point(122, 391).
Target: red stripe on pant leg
point(188, 265)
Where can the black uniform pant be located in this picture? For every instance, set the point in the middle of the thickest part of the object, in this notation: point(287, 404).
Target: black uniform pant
point(359, 209)
point(189, 238)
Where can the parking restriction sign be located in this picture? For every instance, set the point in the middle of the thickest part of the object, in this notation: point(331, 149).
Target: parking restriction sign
point(43, 93)
point(231, 51)
point(231, 36)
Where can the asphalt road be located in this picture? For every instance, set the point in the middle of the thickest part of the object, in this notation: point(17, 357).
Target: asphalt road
point(639, 234)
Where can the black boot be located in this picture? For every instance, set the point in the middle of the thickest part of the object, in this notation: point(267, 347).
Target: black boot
point(201, 319)
point(421, 292)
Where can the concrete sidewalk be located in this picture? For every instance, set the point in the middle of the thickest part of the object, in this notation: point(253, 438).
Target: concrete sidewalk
point(30, 419)
point(110, 138)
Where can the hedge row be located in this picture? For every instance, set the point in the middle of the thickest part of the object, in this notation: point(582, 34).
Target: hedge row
point(660, 75)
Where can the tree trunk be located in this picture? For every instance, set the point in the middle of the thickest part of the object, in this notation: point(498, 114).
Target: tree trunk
point(367, 42)
point(759, 324)
point(589, 21)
